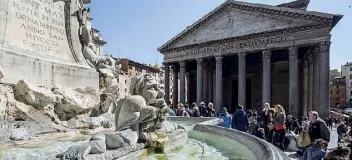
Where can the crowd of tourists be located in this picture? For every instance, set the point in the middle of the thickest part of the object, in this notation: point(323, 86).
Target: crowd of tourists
point(308, 136)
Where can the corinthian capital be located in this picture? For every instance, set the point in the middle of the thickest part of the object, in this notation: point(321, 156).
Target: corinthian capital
point(241, 55)
point(218, 59)
point(199, 61)
point(324, 46)
point(293, 51)
point(266, 54)
point(182, 64)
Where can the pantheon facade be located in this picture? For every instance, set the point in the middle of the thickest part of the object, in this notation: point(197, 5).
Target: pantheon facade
point(251, 54)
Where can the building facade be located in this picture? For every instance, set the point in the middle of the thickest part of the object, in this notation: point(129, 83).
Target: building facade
point(338, 92)
point(130, 69)
point(251, 54)
point(334, 73)
point(346, 71)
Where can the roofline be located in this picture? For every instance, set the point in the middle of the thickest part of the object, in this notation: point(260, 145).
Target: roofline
point(248, 6)
point(140, 64)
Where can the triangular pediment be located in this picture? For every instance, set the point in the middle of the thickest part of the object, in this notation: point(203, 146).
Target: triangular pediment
point(236, 19)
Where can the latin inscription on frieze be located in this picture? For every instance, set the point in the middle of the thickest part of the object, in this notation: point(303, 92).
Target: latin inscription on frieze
point(39, 26)
point(226, 47)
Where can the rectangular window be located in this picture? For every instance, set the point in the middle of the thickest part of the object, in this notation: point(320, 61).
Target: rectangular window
point(337, 86)
point(350, 68)
point(337, 92)
point(330, 92)
point(350, 84)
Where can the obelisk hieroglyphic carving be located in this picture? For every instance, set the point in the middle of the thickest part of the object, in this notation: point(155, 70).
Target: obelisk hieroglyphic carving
point(293, 81)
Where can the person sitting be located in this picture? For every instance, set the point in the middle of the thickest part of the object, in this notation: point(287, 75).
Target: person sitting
point(260, 133)
point(316, 151)
point(253, 127)
point(303, 139)
point(342, 130)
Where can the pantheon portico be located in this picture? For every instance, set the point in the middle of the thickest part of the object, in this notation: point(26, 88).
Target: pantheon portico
point(251, 54)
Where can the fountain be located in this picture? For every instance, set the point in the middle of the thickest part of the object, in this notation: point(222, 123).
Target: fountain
point(206, 140)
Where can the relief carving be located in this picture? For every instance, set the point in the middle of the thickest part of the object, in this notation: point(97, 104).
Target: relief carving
point(293, 51)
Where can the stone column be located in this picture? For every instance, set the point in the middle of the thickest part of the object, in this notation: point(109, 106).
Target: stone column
point(218, 96)
point(305, 89)
point(182, 82)
point(175, 86)
point(316, 79)
point(188, 88)
point(310, 83)
point(167, 83)
point(242, 79)
point(210, 84)
point(199, 80)
point(324, 70)
point(205, 82)
point(266, 89)
point(293, 81)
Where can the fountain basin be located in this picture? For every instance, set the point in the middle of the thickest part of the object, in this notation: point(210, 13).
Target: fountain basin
point(204, 139)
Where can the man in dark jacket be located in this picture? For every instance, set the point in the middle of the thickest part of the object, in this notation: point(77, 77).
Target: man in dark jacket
point(240, 120)
point(317, 128)
point(202, 109)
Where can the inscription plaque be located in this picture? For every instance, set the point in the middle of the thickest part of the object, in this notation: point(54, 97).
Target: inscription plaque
point(39, 26)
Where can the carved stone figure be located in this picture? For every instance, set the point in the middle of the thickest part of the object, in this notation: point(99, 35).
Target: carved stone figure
point(88, 48)
point(141, 116)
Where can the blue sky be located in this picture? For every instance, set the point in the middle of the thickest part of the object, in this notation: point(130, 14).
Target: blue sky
point(134, 29)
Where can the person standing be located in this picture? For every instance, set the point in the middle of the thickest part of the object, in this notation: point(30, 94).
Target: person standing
point(342, 130)
point(195, 110)
point(318, 128)
point(240, 120)
point(190, 112)
point(265, 118)
point(279, 125)
point(224, 115)
point(210, 110)
point(202, 109)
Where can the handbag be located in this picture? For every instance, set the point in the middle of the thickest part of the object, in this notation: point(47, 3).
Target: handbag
point(279, 127)
point(304, 139)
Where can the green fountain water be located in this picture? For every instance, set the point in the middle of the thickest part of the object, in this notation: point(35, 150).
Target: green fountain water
point(200, 145)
